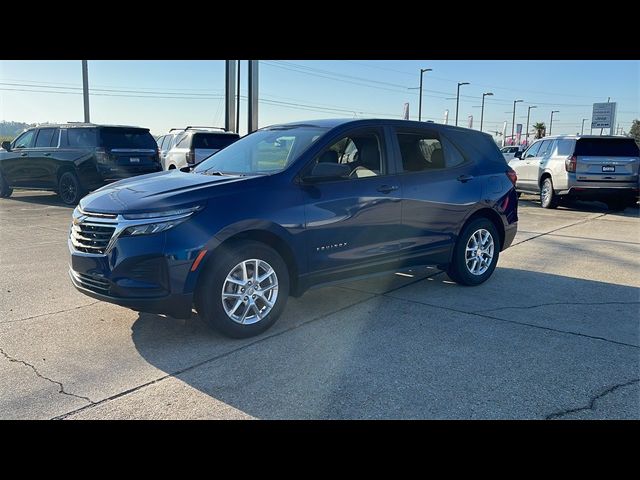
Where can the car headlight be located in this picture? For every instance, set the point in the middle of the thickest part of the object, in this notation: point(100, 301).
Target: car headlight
point(158, 221)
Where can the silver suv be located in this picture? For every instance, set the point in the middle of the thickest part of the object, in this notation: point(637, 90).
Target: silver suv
point(194, 144)
point(584, 167)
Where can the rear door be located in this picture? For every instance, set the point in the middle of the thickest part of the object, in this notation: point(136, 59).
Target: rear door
point(42, 162)
point(607, 159)
point(16, 163)
point(438, 186)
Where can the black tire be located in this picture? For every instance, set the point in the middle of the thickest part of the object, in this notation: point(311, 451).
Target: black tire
point(69, 189)
point(5, 189)
point(208, 298)
point(617, 205)
point(518, 194)
point(458, 270)
point(550, 200)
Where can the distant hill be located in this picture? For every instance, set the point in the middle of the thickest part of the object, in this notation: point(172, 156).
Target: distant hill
point(12, 129)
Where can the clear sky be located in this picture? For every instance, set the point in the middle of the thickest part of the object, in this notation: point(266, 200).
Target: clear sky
point(164, 94)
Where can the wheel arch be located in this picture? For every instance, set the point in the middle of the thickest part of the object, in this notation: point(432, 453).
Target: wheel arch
point(493, 217)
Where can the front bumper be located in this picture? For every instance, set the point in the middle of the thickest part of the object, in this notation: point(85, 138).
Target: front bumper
point(175, 305)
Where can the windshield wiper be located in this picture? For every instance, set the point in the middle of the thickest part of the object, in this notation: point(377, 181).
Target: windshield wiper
point(222, 174)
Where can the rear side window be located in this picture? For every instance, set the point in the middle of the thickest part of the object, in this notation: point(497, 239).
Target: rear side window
point(183, 142)
point(127, 138)
point(565, 147)
point(45, 137)
point(420, 152)
point(612, 147)
point(212, 141)
point(81, 137)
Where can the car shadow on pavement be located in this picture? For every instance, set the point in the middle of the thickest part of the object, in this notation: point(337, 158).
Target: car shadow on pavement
point(522, 345)
point(38, 198)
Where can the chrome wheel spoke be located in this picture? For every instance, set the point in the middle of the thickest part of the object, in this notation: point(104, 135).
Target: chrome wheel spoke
point(479, 252)
point(247, 291)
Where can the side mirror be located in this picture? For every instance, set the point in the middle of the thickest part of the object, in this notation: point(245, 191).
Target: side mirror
point(6, 145)
point(328, 171)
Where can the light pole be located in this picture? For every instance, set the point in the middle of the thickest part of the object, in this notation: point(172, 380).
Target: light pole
point(482, 110)
point(85, 90)
point(551, 122)
point(458, 99)
point(513, 121)
point(582, 129)
point(528, 115)
point(422, 70)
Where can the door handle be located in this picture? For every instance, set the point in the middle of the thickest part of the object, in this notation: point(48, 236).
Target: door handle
point(48, 154)
point(387, 188)
point(465, 178)
point(24, 154)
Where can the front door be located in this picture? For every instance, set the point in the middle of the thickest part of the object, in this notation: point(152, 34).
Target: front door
point(527, 168)
point(16, 163)
point(355, 220)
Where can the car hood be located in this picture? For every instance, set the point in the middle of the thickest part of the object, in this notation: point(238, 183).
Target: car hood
point(156, 192)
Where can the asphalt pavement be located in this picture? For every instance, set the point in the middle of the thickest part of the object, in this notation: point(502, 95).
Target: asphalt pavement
point(555, 333)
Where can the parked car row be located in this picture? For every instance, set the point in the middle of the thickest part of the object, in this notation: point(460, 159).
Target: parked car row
point(75, 158)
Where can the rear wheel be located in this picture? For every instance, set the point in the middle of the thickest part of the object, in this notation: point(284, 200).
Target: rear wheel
point(548, 199)
point(5, 190)
point(244, 290)
point(476, 253)
point(69, 189)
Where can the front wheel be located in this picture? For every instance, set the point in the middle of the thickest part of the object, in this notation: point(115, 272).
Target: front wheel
point(244, 289)
point(5, 190)
point(476, 253)
point(548, 199)
point(69, 188)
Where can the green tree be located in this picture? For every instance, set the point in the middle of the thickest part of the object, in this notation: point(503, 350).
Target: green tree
point(635, 131)
point(540, 129)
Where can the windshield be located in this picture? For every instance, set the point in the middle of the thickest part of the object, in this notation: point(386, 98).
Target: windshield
point(264, 151)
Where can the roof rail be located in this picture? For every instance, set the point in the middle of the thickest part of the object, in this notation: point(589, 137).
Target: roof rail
point(217, 128)
point(171, 130)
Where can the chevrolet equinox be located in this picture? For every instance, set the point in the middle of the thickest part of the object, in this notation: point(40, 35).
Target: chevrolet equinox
point(295, 206)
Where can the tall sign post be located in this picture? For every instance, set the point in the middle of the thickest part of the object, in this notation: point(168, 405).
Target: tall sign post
point(604, 116)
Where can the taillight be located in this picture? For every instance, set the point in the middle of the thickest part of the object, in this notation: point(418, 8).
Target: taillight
point(570, 164)
point(190, 156)
point(102, 156)
point(512, 176)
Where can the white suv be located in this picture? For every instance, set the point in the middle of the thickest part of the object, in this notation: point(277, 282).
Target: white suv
point(194, 144)
point(584, 167)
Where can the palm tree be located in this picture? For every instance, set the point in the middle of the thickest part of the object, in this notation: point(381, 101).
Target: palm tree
point(540, 129)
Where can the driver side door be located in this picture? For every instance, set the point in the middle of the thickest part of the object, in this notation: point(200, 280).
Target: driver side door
point(353, 222)
point(15, 165)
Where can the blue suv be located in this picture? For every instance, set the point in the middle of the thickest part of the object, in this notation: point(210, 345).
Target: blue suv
point(294, 206)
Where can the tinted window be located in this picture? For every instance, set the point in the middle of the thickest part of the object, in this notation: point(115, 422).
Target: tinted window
point(45, 137)
point(127, 138)
point(565, 147)
point(533, 150)
point(81, 137)
point(614, 147)
point(545, 147)
point(212, 141)
point(25, 140)
point(420, 152)
point(160, 141)
point(452, 156)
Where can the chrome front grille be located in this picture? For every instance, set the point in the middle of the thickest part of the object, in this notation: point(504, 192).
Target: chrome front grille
point(92, 232)
point(90, 282)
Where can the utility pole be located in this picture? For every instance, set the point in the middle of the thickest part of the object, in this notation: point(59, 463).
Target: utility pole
point(528, 115)
point(513, 121)
point(458, 99)
point(551, 122)
point(582, 129)
point(85, 89)
point(482, 109)
point(229, 96)
point(422, 70)
point(252, 99)
point(238, 100)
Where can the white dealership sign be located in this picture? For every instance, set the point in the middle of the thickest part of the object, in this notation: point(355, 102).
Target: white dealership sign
point(405, 113)
point(446, 117)
point(604, 115)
